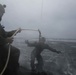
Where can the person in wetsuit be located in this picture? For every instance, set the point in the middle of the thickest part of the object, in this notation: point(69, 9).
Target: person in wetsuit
point(36, 53)
point(5, 38)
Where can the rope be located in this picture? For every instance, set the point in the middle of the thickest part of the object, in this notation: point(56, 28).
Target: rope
point(34, 30)
point(41, 12)
point(30, 29)
point(6, 61)
point(8, 54)
point(10, 49)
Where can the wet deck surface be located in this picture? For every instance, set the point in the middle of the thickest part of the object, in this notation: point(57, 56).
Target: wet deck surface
point(25, 71)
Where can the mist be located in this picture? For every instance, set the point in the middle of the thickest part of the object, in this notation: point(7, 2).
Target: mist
point(55, 18)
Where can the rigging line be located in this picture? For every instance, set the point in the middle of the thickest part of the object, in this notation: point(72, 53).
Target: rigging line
point(41, 12)
point(34, 30)
point(7, 61)
point(6, 64)
point(30, 29)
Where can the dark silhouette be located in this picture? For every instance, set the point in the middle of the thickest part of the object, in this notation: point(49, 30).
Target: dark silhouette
point(39, 47)
point(5, 38)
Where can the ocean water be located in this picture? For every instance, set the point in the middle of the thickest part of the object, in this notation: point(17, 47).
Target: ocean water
point(53, 62)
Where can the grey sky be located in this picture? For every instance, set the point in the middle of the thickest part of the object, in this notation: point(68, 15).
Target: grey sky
point(58, 16)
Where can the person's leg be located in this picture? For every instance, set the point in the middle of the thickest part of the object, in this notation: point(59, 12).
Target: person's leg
point(40, 63)
point(32, 61)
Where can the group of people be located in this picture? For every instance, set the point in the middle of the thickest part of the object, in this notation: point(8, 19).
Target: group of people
point(13, 64)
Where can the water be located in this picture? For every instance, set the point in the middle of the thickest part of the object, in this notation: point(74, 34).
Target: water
point(53, 62)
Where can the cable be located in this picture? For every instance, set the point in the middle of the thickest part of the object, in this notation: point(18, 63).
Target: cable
point(8, 54)
point(6, 61)
point(10, 49)
point(30, 29)
point(41, 12)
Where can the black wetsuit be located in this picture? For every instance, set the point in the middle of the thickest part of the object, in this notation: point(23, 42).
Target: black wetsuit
point(14, 54)
point(36, 54)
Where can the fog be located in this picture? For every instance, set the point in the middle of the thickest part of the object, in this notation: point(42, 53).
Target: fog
point(55, 18)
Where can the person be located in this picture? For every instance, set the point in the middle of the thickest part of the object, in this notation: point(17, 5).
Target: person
point(36, 53)
point(2, 10)
point(5, 38)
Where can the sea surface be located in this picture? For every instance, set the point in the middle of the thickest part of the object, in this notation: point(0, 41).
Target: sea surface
point(56, 63)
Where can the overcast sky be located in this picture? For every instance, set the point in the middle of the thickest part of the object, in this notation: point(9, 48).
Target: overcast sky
point(55, 18)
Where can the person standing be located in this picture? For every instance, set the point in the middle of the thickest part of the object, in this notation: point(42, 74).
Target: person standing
point(36, 53)
point(5, 38)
